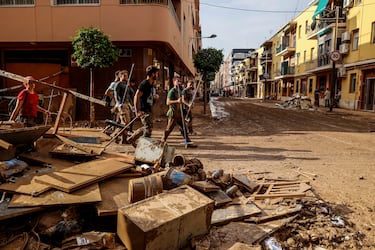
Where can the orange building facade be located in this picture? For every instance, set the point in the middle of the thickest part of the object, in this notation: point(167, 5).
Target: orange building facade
point(36, 40)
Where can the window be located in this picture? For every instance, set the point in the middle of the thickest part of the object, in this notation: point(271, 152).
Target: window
point(353, 81)
point(306, 26)
point(16, 2)
point(310, 85)
point(299, 31)
point(298, 59)
point(373, 33)
point(312, 54)
point(297, 86)
point(355, 39)
point(75, 2)
point(304, 56)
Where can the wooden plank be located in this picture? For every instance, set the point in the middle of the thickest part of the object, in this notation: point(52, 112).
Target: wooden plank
point(281, 190)
point(114, 194)
point(90, 150)
point(275, 215)
point(205, 186)
point(233, 213)
point(59, 113)
point(243, 181)
point(89, 194)
point(120, 157)
point(76, 94)
point(220, 198)
point(34, 158)
point(7, 213)
point(81, 175)
point(5, 145)
point(25, 184)
point(28, 188)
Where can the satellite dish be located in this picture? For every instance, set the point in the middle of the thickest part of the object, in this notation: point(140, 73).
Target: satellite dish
point(313, 24)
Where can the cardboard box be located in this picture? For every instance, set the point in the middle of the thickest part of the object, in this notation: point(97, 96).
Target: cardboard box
point(165, 221)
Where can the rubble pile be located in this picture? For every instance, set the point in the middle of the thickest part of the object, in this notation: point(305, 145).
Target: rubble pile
point(81, 196)
point(296, 102)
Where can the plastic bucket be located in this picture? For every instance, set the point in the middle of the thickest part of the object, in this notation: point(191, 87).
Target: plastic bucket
point(144, 187)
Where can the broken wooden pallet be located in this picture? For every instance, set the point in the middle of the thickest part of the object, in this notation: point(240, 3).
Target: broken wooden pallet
point(281, 189)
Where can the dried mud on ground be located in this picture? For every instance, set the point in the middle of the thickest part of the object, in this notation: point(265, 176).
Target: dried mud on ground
point(334, 151)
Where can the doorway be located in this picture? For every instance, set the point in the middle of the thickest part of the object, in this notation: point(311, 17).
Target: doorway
point(369, 92)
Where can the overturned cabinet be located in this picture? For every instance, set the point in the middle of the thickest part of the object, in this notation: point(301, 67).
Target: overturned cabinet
point(165, 221)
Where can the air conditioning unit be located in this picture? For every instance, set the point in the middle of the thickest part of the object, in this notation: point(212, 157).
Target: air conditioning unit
point(347, 3)
point(344, 48)
point(345, 36)
point(341, 72)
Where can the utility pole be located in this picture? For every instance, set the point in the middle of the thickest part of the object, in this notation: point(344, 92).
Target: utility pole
point(335, 56)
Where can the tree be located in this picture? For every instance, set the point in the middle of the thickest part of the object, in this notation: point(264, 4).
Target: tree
point(207, 62)
point(93, 49)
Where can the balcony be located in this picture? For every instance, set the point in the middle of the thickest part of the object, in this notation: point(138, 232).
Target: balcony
point(323, 60)
point(286, 71)
point(285, 50)
point(265, 77)
point(310, 65)
point(326, 23)
point(266, 57)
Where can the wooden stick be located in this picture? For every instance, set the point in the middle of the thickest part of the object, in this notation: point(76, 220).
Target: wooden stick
point(5, 145)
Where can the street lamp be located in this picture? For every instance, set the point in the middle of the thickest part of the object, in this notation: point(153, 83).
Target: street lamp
point(200, 37)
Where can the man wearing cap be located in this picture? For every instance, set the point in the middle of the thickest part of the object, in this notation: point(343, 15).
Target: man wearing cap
point(27, 104)
point(144, 98)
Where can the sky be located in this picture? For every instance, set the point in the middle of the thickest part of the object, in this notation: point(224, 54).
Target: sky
point(241, 24)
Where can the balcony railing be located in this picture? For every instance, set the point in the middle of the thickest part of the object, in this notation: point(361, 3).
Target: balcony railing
point(323, 60)
point(287, 70)
point(312, 64)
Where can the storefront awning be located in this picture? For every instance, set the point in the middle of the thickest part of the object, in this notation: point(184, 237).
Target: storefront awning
point(321, 6)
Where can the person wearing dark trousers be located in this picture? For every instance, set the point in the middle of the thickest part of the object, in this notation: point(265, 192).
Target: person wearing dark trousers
point(144, 99)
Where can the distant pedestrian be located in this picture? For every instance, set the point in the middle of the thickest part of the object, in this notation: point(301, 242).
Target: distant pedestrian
point(337, 98)
point(316, 97)
point(327, 98)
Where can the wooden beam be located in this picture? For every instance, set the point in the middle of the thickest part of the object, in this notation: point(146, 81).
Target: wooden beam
point(90, 150)
point(59, 114)
point(76, 94)
point(5, 145)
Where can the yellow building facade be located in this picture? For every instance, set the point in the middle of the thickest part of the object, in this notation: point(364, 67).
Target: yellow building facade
point(328, 46)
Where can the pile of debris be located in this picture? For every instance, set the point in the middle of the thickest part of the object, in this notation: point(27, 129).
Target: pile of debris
point(296, 102)
point(154, 199)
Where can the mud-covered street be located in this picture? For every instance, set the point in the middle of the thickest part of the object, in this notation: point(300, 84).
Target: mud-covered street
point(336, 148)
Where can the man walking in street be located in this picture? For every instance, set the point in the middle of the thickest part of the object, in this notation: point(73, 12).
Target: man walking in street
point(174, 113)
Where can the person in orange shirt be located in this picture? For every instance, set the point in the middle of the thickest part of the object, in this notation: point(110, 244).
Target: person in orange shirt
point(27, 105)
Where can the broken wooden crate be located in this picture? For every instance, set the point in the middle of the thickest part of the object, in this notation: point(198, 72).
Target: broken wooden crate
point(165, 221)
